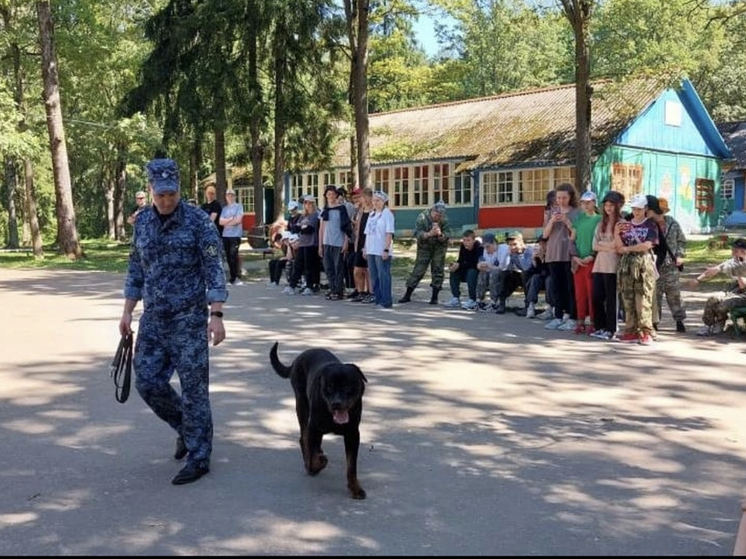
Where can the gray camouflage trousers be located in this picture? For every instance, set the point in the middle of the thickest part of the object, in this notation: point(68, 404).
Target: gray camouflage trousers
point(717, 307)
point(488, 281)
point(177, 344)
point(668, 283)
point(636, 283)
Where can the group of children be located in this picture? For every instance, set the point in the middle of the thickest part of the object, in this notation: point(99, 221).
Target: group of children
point(594, 264)
point(586, 260)
point(350, 241)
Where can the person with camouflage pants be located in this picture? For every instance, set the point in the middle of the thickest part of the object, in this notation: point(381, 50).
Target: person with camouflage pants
point(432, 233)
point(176, 268)
point(669, 256)
point(636, 274)
point(718, 307)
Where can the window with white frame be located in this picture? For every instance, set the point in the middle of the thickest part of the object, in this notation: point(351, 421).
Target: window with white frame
point(244, 195)
point(626, 179)
point(296, 187)
point(312, 184)
point(728, 189)
point(489, 189)
point(328, 178)
point(345, 178)
point(421, 186)
point(382, 180)
point(505, 194)
point(563, 175)
point(534, 184)
point(462, 189)
point(442, 183)
point(401, 186)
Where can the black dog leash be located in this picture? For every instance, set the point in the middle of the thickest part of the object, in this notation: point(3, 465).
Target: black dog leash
point(121, 369)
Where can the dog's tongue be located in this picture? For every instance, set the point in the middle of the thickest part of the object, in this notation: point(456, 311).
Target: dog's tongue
point(341, 417)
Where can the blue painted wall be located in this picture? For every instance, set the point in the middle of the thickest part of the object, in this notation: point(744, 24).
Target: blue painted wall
point(650, 131)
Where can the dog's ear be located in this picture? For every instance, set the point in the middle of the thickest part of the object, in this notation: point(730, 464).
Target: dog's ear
point(359, 372)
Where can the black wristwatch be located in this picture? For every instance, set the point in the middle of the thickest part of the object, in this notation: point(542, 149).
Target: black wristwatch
point(219, 314)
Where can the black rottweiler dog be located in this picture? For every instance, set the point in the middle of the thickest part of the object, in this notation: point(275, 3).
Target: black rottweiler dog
point(328, 399)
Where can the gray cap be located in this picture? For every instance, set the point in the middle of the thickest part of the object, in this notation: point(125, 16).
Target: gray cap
point(440, 206)
point(163, 175)
point(488, 239)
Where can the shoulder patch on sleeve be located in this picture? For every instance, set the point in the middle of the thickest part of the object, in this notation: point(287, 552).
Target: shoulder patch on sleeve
point(212, 250)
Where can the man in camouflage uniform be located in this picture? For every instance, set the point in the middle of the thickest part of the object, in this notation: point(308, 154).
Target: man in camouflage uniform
point(718, 307)
point(432, 232)
point(176, 268)
point(669, 256)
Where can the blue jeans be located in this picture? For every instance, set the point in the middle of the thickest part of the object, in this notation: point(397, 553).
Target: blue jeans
point(334, 269)
point(380, 276)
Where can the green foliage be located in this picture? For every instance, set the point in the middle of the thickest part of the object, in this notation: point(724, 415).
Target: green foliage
point(653, 36)
point(723, 88)
point(507, 45)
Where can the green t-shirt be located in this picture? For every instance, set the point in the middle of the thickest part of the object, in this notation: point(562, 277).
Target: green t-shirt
point(585, 228)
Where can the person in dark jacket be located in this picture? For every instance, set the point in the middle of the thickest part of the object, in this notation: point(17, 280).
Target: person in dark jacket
point(464, 270)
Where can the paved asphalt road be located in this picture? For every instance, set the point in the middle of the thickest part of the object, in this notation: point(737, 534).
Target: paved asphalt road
point(481, 435)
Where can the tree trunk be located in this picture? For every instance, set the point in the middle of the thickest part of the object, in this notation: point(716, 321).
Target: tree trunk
point(220, 179)
point(578, 13)
point(356, 12)
point(280, 126)
point(108, 184)
point(583, 92)
point(120, 193)
point(10, 184)
point(33, 219)
point(67, 233)
point(195, 159)
point(255, 123)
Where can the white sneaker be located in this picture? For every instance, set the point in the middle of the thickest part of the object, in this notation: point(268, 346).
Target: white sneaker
point(238, 282)
point(288, 291)
point(600, 334)
point(553, 324)
point(307, 291)
point(548, 314)
point(568, 324)
point(454, 303)
point(531, 311)
point(704, 331)
point(469, 305)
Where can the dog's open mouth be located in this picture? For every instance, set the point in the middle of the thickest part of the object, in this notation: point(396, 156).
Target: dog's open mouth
point(341, 417)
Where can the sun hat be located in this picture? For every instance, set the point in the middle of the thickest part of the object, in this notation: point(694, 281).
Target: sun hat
point(638, 201)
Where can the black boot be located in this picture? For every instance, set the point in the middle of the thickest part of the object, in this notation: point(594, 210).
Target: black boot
point(500, 309)
point(407, 296)
point(434, 296)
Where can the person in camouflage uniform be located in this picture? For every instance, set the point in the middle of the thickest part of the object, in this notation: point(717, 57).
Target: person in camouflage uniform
point(636, 274)
point(669, 256)
point(718, 307)
point(432, 232)
point(176, 268)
